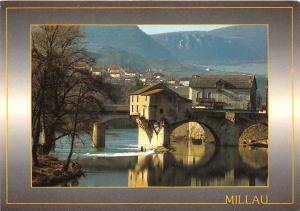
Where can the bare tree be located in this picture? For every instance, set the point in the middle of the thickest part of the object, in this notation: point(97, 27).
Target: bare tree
point(62, 87)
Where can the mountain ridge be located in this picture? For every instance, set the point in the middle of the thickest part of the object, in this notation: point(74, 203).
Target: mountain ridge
point(183, 53)
point(228, 45)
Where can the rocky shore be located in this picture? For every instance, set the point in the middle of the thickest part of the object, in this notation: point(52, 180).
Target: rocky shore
point(51, 172)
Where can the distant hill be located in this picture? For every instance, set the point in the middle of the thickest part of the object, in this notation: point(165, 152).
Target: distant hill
point(228, 45)
point(110, 56)
point(127, 38)
point(233, 49)
point(251, 37)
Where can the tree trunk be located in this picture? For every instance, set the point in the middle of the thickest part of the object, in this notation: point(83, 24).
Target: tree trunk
point(73, 133)
point(71, 152)
point(35, 144)
point(49, 140)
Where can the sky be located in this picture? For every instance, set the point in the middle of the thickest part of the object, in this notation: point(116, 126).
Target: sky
point(175, 28)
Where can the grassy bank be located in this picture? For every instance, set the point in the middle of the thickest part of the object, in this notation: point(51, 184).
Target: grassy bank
point(51, 172)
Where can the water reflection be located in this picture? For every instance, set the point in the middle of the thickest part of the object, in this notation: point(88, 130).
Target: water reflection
point(201, 165)
point(256, 158)
point(187, 164)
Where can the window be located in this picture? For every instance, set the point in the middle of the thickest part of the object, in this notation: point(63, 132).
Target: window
point(132, 97)
point(146, 98)
point(137, 98)
point(137, 108)
point(132, 108)
point(161, 111)
point(208, 94)
point(199, 95)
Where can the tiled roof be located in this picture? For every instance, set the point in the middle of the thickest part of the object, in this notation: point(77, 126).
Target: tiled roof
point(129, 71)
point(98, 69)
point(238, 81)
point(154, 91)
point(157, 88)
point(182, 90)
point(148, 88)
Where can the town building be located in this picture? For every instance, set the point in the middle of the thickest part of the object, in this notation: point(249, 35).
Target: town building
point(83, 66)
point(158, 102)
point(158, 76)
point(116, 72)
point(184, 81)
point(183, 91)
point(130, 76)
point(171, 80)
point(224, 91)
point(143, 79)
point(99, 71)
point(130, 73)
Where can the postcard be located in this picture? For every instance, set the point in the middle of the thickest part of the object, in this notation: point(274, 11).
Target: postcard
point(150, 105)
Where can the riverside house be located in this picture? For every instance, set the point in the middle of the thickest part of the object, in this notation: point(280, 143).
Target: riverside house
point(224, 91)
point(157, 102)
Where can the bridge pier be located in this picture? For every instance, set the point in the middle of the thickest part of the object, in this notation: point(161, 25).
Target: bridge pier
point(98, 135)
point(152, 135)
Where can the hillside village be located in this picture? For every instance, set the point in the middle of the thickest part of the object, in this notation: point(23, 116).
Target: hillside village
point(116, 74)
point(206, 90)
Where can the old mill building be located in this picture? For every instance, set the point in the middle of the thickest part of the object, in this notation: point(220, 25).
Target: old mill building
point(224, 91)
point(158, 102)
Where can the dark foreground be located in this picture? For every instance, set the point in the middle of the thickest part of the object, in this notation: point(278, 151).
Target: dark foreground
point(51, 172)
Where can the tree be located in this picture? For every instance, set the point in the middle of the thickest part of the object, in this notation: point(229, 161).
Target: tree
point(62, 87)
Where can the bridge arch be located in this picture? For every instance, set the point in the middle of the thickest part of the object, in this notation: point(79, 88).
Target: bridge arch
point(120, 122)
point(206, 128)
point(253, 132)
point(107, 118)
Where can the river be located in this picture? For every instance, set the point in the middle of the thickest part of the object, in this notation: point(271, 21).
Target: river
point(121, 163)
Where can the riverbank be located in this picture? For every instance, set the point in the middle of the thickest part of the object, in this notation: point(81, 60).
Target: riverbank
point(51, 173)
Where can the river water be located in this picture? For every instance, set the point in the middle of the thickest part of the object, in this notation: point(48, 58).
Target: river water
point(121, 163)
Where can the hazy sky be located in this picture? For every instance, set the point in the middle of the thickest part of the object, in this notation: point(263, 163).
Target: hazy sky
point(175, 28)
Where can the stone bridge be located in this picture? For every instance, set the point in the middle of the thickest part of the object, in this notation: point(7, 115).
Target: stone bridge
point(99, 127)
point(226, 126)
